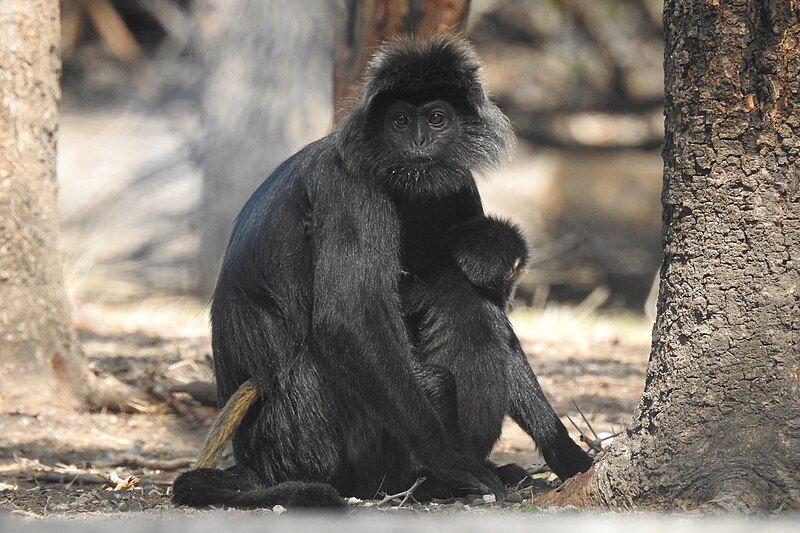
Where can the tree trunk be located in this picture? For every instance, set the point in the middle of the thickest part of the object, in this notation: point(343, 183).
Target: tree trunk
point(34, 321)
point(41, 366)
point(268, 93)
point(718, 425)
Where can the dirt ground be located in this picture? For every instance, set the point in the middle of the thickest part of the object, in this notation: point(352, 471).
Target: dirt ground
point(90, 464)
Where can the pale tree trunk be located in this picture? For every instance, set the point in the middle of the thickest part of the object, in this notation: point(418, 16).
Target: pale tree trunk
point(718, 425)
point(267, 93)
point(41, 366)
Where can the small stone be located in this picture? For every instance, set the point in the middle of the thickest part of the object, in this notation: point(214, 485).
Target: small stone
point(61, 507)
point(477, 501)
point(489, 498)
point(279, 509)
point(353, 500)
point(514, 497)
point(82, 500)
point(153, 494)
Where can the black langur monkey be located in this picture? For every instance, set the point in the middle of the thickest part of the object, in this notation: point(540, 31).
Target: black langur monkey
point(360, 307)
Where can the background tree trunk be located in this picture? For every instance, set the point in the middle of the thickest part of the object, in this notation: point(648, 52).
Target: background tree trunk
point(719, 420)
point(268, 93)
point(41, 366)
point(35, 340)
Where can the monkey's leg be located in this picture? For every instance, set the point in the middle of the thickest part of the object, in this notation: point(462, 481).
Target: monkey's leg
point(308, 433)
point(459, 329)
point(440, 387)
point(376, 463)
point(456, 328)
point(292, 433)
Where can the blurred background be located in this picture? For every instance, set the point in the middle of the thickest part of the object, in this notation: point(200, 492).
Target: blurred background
point(174, 110)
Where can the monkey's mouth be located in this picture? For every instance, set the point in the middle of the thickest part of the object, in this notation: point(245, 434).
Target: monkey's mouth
point(425, 153)
point(413, 168)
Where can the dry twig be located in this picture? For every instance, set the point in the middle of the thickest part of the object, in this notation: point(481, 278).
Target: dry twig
point(588, 424)
point(203, 391)
point(52, 476)
point(181, 408)
point(138, 461)
point(406, 494)
point(596, 442)
point(586, 438)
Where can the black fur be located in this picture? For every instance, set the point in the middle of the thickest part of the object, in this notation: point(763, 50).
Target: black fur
point(365, 294)
point(240, 487)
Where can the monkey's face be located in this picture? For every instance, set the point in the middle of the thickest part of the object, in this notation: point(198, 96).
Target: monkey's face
point(423, 143)
point(419, 141)
point(420, 133)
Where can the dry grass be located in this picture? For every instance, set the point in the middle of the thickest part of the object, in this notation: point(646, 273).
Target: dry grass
point(558, 322)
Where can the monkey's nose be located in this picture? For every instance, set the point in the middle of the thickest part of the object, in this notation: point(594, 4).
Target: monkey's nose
point(419, 137)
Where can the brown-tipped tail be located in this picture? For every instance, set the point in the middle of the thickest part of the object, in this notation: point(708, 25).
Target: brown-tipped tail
point(226, 423)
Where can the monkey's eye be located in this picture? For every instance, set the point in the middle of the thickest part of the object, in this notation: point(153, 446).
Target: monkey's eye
point(401, 120)
point(436, 119)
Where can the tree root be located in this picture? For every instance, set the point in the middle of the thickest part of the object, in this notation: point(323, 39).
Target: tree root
point(204, 392)
point(109, 393)
point(575, 491)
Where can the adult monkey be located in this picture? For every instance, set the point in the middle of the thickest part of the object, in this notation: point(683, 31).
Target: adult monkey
point(361, 302)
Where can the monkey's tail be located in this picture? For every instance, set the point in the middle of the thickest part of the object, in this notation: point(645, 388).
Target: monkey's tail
point(226, 423)
point(239, 486)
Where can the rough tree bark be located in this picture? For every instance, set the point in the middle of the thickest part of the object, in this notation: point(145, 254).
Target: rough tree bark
point(371, 21)
point(718, 425)
point(267, 93)
point(41, 366)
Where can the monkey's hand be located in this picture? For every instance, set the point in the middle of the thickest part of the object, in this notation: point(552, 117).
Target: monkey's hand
point(492, 253)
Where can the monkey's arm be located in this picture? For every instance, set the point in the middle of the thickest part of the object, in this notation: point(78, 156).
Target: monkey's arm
point(530, 409)
point(492, 253)
point(360, 336)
